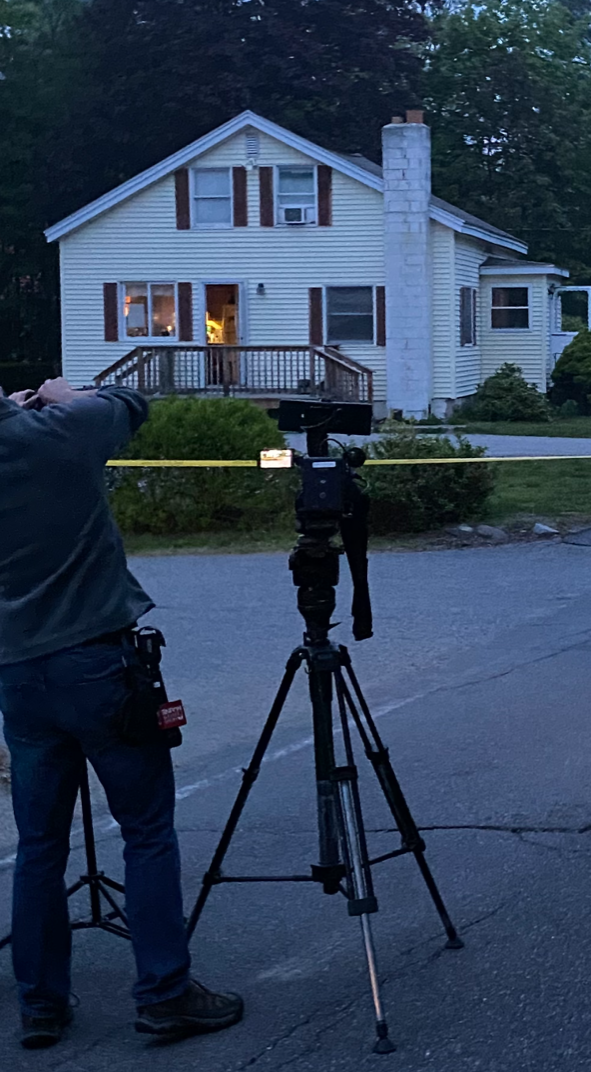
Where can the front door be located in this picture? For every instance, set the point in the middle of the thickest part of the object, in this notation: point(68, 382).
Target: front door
point(571, 313)
point(222, 329)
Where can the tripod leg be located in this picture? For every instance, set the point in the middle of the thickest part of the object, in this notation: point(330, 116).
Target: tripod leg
point(363, 901)
point(91, 860)
point(249, 777)
point(379, 758)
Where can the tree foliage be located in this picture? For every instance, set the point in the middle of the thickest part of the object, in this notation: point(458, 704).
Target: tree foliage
point(509, 86)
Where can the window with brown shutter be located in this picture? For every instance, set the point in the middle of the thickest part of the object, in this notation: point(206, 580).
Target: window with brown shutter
point(316, 317)
point(324, 196)
point(183, 208)
point(111, 307)
point(266, 195)
point(240, 197)
point(185, 303)
point(380, 316)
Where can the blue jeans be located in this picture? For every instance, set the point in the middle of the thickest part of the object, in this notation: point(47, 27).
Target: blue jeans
point(58, 710)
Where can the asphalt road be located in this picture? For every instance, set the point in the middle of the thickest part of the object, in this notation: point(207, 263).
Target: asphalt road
point(479, 675)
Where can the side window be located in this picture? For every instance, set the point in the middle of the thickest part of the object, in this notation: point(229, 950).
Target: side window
point(468, 313)
point(212, 197)
point(149, 310)
point(510, 308)
point(349, 314)
point(296, 195)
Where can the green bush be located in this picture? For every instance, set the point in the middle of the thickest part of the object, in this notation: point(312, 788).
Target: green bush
point(169, 501)
point(568, 410)
point(417, 498)
point(506, 396)
point(572, 374)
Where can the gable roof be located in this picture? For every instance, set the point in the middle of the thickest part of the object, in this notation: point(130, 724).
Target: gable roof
point(354, 165)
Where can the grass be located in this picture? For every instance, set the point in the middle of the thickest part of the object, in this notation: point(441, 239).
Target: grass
point(570, 428)
point(557, 490)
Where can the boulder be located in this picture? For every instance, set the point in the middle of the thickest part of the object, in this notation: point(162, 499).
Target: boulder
point(544, 530)
point(492, 533)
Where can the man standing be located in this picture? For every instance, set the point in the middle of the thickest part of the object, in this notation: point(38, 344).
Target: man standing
point(67, 603)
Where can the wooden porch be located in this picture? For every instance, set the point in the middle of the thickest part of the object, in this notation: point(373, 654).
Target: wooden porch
point(243, 371)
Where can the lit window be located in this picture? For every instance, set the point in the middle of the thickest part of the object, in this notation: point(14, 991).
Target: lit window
point(349, 314)
point(468, 299)
point(149, 310)
point(213, 197)
point(510, 307)
point(296, 195)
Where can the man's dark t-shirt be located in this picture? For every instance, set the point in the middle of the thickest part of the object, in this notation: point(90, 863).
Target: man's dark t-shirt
point(63, 573)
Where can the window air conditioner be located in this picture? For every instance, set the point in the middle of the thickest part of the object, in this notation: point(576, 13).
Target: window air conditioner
point(296, 215)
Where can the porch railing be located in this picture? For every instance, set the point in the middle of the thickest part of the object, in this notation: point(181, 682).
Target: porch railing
point(320, 372)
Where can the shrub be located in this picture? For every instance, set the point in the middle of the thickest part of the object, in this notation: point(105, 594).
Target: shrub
point(168, 501)
point(417, 498)
point(572, 373)
point(506, 396)
point(569, 409)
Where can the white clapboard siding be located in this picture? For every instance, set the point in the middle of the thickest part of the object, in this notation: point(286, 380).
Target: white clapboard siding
point(442, 252)
point(528, 349)
point(138, 241)
point(469, 256)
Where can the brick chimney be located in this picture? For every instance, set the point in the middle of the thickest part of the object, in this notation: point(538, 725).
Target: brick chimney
point(407, 198)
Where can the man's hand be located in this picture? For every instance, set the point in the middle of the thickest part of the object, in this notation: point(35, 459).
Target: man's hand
point(22, 397)
point(60, 392)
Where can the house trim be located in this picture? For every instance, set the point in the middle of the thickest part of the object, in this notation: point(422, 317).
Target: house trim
point(524, 269)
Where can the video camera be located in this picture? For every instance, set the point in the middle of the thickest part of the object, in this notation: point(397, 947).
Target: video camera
point(331, 501)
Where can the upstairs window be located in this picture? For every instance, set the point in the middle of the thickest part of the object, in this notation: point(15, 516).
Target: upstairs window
point(296, 195)
point(468, 307)
point(349, 314)
point(149, 310)
point(212, 194)
point(510, 308)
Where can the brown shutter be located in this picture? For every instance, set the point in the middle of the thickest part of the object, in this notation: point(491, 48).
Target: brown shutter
point(316, 325)
point(267, 202)
point(240, 202)
point(110, 300)
point(185, 300)
point(324, 195)
point(183, 208)
point(381, 316)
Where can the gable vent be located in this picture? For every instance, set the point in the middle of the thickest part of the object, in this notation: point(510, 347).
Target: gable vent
point(252, 145)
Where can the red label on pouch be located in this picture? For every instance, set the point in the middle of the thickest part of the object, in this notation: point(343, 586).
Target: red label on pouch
point(171, 715)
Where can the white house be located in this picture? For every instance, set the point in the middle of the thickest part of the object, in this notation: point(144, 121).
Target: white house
point(254, 261)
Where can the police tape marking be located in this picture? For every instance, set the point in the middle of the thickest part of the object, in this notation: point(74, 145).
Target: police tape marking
point(221, 464)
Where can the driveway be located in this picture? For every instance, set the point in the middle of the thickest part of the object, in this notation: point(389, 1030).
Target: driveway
point(480, 676)
point(498, 446)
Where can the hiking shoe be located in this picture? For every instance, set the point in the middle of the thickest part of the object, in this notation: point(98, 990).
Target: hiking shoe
point(193, 1013)
point(39, 1032)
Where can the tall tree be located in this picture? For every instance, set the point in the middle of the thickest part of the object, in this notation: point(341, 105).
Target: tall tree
point(509, 86)
point(162, 72)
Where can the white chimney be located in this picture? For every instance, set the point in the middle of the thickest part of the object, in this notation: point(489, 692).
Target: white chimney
point(407, 199)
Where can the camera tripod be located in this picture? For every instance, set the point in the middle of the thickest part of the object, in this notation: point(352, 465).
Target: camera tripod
point(344, 864)
point(109, 917)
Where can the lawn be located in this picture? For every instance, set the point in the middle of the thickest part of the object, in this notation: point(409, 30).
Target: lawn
point(555, 490)
point(571, 428)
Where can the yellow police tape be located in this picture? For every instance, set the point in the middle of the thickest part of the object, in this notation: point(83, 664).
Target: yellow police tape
point(222, 464)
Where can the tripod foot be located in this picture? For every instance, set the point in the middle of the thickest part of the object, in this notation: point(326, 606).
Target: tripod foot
point(454, 943)
point(384, 1044)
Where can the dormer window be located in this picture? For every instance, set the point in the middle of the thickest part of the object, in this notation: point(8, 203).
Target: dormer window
point(296, 196)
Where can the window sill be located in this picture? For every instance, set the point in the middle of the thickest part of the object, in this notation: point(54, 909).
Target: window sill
point(143, 340)
point(511, 331)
